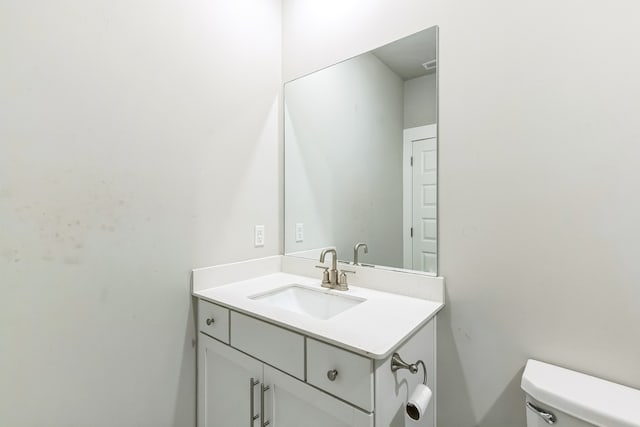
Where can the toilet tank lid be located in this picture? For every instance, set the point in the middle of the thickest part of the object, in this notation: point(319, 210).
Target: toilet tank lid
point(588, 398)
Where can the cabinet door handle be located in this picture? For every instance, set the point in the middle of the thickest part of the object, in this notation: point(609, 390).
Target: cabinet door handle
point(252, 385)
point(210, 321)
point(332, 374)
point(263, 422)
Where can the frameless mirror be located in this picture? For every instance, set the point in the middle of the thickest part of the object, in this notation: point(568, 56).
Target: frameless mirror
point(361, 157)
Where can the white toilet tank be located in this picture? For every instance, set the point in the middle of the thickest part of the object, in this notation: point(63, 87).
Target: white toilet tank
point(565, 398)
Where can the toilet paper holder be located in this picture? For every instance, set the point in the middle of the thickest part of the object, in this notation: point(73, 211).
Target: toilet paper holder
point(398, 363)
point(418, 401)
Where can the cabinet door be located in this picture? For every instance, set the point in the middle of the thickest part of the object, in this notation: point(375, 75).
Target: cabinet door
point(226, 396)
point(292, 403)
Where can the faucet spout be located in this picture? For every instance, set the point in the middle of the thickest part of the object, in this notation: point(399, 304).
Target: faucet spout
point(333, 272)
point(356, 249)
point(334, 261)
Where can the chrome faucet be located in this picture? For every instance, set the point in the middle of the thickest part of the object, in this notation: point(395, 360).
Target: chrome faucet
point(331, 277)
point(355, 251)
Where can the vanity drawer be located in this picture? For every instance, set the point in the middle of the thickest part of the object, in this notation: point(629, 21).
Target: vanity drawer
point(213, 320)
point(353, 381)
point(273, 345)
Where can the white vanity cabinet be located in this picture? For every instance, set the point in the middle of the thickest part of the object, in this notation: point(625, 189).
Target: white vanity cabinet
point(257, 374)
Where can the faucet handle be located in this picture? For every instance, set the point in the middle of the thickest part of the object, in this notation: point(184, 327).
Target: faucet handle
point(325, 275)
point(342, 280)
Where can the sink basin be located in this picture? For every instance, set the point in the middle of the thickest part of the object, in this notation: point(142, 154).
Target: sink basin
point(318, 304)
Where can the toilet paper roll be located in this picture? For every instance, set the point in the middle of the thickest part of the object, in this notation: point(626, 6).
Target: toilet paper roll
point(419, 401)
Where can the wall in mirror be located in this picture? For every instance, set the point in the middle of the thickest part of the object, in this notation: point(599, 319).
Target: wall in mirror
point(361, 157)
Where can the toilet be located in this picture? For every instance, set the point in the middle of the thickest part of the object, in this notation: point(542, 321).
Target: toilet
point(564, 398)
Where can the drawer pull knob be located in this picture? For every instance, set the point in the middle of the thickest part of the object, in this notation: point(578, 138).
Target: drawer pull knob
point(210, 321)
point(332, 374)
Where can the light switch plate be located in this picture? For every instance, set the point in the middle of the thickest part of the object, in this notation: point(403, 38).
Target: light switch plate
point(258, 237)
point(299, 232)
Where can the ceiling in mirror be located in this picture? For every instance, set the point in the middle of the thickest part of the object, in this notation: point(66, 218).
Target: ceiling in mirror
point(361, 157)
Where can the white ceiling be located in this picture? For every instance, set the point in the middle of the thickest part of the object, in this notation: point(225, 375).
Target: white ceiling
point(406, 56)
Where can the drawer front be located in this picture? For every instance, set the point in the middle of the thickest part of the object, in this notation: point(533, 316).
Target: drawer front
point(276, 346)
point(213, 320)
point(353, 379)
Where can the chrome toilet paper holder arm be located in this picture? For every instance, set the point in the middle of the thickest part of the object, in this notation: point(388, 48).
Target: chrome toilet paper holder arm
point(398, 363)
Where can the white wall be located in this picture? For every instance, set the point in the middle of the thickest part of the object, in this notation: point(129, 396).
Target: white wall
point(421, 101)
point(346, 120)
point(538, 183)
point(138, 139)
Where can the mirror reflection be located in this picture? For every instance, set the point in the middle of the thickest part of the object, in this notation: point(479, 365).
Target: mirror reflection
point(361, 157)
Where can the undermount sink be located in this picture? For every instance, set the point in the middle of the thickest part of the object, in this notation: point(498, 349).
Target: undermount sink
point(319, 304)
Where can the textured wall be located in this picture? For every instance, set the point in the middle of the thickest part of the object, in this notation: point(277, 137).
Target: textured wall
point(538, 183)
point(138, 139)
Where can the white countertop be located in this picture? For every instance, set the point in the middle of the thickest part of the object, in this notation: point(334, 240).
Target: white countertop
point(373, 328)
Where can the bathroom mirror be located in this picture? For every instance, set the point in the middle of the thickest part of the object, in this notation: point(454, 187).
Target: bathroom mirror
point(361, 157)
